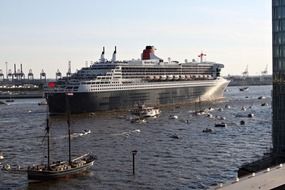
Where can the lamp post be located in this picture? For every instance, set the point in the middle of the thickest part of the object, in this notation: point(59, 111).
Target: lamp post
point(134, 152)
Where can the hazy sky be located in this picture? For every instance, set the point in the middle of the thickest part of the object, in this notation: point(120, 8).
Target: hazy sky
point(46, 34)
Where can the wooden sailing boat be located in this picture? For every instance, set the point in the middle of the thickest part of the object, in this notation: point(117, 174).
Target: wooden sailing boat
point(60, 169)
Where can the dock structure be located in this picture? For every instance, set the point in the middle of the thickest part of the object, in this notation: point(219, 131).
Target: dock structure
point(271, 178)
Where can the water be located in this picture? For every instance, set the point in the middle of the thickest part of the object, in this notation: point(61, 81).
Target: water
point(195, 160)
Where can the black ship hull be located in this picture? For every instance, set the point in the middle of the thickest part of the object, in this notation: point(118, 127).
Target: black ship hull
point(37, 175)
point(82, 102)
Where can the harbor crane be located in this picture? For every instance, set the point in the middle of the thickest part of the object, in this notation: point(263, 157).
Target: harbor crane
point(265, 71)
point(245, 73)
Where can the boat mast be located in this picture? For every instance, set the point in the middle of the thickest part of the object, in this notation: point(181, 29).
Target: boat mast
point(48, 144)
point(68, 124)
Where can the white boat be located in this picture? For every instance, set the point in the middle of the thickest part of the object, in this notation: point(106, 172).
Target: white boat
point(84, 132)
point(44, 102)
point(173, 117)
point(1, 156)
point(144, 111)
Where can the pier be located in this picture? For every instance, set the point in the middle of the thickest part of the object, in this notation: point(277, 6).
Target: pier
point(270, 178)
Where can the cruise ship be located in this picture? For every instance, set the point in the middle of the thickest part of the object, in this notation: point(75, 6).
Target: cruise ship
point(119, 85)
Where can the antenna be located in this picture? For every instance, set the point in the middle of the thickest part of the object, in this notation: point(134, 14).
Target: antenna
point(6, 63)
point(68, 74)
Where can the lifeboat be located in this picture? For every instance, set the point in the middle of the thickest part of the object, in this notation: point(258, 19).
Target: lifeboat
point(163, 77)
point(169, 77)
point(182, 77)
point(149, 77)
point(176, 77)
point(156, 77)
point(188, 77)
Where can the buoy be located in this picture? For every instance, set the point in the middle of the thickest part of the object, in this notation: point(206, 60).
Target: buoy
point(242, 122)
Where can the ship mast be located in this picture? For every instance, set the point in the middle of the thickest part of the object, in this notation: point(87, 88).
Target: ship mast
point(48, 143)
point(68, 123)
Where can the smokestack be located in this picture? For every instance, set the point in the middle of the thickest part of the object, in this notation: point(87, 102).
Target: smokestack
point(102, 59)
point(114, 55)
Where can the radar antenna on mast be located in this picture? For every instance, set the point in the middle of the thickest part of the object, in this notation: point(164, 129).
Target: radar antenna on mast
point(201, 56)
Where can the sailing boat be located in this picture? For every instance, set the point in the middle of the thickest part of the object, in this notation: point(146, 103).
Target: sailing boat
point(60, 169)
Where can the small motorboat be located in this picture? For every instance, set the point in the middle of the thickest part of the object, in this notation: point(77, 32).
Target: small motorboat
point(173, 117)
point(221, 125)
point(210, 115)
point(211, 109)
point(9, 100)
point(243, 89)
point(250, 115)
point(207, 130)
point(200, 112)
point(86, 132)
point(264, 104)
point(261, 97)
point(227, 106)
point(42, 103)
point(1, 156)
point(143, 111)
point(174, 136)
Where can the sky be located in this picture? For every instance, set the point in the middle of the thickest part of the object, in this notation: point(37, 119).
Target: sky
point(43, 34)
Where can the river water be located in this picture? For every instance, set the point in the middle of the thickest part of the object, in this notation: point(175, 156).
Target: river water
point(194, 160)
